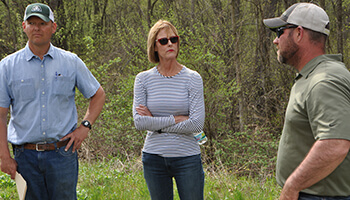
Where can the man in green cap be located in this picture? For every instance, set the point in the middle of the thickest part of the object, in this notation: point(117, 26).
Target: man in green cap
point(313, 160)
point(37, 87)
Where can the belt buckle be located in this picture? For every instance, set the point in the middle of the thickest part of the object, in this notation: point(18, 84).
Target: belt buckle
point(37, 146)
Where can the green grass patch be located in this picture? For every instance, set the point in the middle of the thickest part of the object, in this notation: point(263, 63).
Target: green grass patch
point(114, 179)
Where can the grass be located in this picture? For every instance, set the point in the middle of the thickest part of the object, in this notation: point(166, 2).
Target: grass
point(114, 179)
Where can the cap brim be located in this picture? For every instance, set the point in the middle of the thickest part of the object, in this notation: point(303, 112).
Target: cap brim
point(274, 23)
point(46, 19)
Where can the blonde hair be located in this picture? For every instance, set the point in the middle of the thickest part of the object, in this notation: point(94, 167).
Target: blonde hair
point(159, 25)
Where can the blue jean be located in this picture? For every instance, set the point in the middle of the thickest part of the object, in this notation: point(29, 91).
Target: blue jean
point(304, 196)
point(49, 174)
point(159, 173)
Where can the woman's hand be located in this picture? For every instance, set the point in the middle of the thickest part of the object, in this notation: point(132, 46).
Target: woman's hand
point(143, 111)
point(180, 118)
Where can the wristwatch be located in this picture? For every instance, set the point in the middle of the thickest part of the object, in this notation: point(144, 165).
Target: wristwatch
point(86, 123)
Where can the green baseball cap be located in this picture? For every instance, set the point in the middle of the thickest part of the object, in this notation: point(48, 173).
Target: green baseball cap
point(39, 10)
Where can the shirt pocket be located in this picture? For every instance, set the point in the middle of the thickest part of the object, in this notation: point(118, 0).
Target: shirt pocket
point(24, 90)
point(63, 86)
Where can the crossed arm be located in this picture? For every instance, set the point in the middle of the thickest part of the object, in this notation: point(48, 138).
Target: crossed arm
point(143, 111)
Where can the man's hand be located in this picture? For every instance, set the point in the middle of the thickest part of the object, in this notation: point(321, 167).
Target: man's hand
point(289, 193)
point(323, 158)
point(9, 166)
point(76, 137)
point(81, 133)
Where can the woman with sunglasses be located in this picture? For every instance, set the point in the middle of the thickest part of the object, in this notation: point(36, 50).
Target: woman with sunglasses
point(169, 104)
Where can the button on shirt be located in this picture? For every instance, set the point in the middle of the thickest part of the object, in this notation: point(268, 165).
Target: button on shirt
point(41, 93)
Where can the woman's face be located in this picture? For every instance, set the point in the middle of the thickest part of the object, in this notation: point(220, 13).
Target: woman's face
point(169, 50)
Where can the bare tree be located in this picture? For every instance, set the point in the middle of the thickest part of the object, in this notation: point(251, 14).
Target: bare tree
point(11, 26)
point(236, 26)
point(339, 24)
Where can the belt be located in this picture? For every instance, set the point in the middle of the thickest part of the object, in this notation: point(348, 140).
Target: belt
point(42, 146)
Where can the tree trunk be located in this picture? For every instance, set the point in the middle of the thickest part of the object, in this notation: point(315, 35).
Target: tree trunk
point(339, 16)
point(11, 25)
point(236, 18)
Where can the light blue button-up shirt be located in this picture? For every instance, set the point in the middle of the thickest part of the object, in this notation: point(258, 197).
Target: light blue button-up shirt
point(40, 93)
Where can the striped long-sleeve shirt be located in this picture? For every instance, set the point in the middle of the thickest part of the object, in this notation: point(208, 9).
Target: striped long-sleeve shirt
point(166, 97)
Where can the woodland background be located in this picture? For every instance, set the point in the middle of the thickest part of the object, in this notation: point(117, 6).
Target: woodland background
point(246, 89)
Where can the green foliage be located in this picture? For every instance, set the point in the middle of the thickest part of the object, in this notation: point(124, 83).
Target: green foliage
point(119, 180)
point(246, 90)
point(226, 185)
point(8, 187)
point(5, 181)
point(247, 153)
point(112, 180)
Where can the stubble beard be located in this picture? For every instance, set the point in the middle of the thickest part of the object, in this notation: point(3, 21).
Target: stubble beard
point(288, 55)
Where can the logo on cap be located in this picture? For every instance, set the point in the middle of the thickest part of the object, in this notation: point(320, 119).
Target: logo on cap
point(36, 9)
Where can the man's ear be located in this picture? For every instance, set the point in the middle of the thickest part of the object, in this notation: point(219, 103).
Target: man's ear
point(24, 25)
point(54, 27)
point(300, 33)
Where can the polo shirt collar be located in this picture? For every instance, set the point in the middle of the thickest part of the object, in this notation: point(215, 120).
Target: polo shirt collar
point(30, 55)
point(311, 65)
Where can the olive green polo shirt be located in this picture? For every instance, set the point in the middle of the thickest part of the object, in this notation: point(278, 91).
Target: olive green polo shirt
point(318, 108)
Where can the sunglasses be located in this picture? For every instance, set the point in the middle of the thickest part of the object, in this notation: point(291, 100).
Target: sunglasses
point(280, 31)
point(164, 41)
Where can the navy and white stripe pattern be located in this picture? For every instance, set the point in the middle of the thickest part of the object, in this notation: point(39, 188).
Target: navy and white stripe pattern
point(166, 97)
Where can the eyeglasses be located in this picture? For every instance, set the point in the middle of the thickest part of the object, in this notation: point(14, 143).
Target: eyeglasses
point(164, 41)
point(279, 31)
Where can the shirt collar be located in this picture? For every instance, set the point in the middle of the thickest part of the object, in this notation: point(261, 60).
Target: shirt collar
point(311, 65)
point(30, 55)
